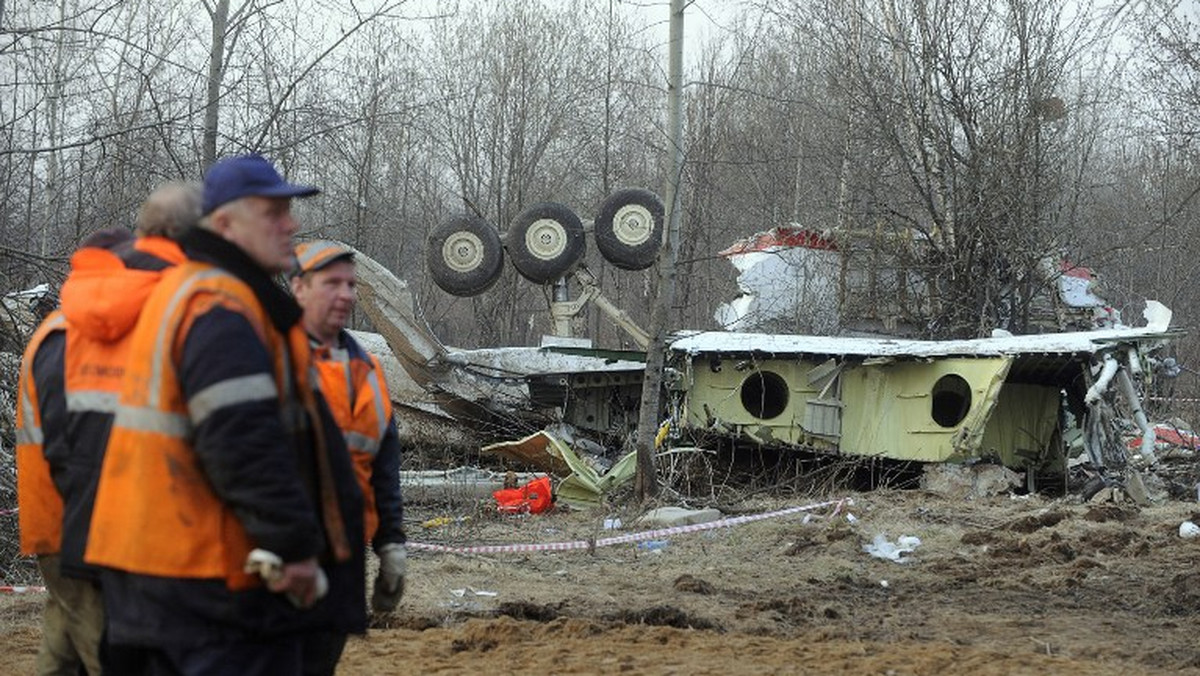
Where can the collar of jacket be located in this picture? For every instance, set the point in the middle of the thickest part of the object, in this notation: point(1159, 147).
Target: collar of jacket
point(353, 347)
point(345, 342)
point(202, 245)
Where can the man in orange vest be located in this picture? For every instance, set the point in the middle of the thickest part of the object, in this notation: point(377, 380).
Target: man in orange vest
point(227, 519)
point(41, 421)
point(352, 381)
point(67, 392)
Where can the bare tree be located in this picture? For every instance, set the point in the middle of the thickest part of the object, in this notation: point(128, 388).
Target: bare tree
point(954, 115)
point(517, 114)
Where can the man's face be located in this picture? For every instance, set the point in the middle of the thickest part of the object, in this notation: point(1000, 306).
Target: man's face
point(262, 227)
point(327, 297)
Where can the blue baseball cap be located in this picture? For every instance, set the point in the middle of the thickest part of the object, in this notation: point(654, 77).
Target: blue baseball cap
point(245, 176)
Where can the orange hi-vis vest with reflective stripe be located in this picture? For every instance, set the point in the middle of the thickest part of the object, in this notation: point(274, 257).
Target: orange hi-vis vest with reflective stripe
point(102, 299)
point(358, 397)
point(39, 506)
point(155, 511)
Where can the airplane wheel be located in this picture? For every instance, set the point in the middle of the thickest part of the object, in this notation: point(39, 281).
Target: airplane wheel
point(629, 228)
point(465, 255)
point(545, 241)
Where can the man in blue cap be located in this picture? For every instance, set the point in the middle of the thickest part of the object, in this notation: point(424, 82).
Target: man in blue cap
point(227, 518)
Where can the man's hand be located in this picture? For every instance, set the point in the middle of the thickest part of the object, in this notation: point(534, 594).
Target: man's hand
point(303, 581)
point(389, 584)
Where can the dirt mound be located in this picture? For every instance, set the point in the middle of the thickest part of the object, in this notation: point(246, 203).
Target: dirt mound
point(996, 586)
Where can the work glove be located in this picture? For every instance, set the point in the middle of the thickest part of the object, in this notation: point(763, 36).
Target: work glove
point(389, 584)
point(273, 571)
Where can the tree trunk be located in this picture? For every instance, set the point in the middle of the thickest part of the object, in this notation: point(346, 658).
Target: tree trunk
point(216, 71)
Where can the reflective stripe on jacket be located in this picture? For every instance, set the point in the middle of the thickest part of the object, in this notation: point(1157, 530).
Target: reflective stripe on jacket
point(156, 512)
point(39, 505)
point(358, 398)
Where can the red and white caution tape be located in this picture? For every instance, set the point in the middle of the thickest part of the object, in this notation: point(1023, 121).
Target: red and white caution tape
point(629, 537)
point(20, 589)
point(838, 506)
point(6, 512)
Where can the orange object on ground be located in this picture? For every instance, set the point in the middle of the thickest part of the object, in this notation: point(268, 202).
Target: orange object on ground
point(534, 497)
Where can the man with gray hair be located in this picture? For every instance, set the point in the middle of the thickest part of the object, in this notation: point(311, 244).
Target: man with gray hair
point(170, 210)
point(70, 379)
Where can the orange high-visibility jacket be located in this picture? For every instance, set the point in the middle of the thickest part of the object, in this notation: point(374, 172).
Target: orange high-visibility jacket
point(357, 395)
point(39, 505)
point(156, 512)
point(102, 299)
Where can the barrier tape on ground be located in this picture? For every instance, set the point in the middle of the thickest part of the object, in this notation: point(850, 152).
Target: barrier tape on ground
point(20, 589)
point(6, 512)
point(629, 537)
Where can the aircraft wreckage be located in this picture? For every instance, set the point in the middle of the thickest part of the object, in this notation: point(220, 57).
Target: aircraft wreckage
point(1026, 402)
point(1030, 402)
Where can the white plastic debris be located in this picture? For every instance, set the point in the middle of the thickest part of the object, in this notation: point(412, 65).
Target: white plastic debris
point(851, 518)
point(472, 591)
point(612, 524)
point(882, 548)
point(667, 517)
point(1189, 530)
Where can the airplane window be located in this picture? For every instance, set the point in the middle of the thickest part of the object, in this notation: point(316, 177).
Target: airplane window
point(951, 400)
point(764, 394)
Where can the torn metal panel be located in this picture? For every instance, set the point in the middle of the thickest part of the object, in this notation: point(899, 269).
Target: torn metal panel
point(400, 384)
point(595, 390)
point(523, 361)
point(20, 313)
point(930, 412)
point(387, 300)
point(1169, 439)
point(1076, 286)
point(584, 483)
point(536, 450)
point(779, 272)
point(587, 488)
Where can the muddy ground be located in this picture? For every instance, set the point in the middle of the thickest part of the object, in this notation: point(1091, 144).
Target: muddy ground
point(998, 585)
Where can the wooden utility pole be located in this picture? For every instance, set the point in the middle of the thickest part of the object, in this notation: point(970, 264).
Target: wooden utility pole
point(646, 481)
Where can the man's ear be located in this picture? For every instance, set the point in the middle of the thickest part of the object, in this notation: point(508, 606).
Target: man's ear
point(296, 282)
point(219, 221)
